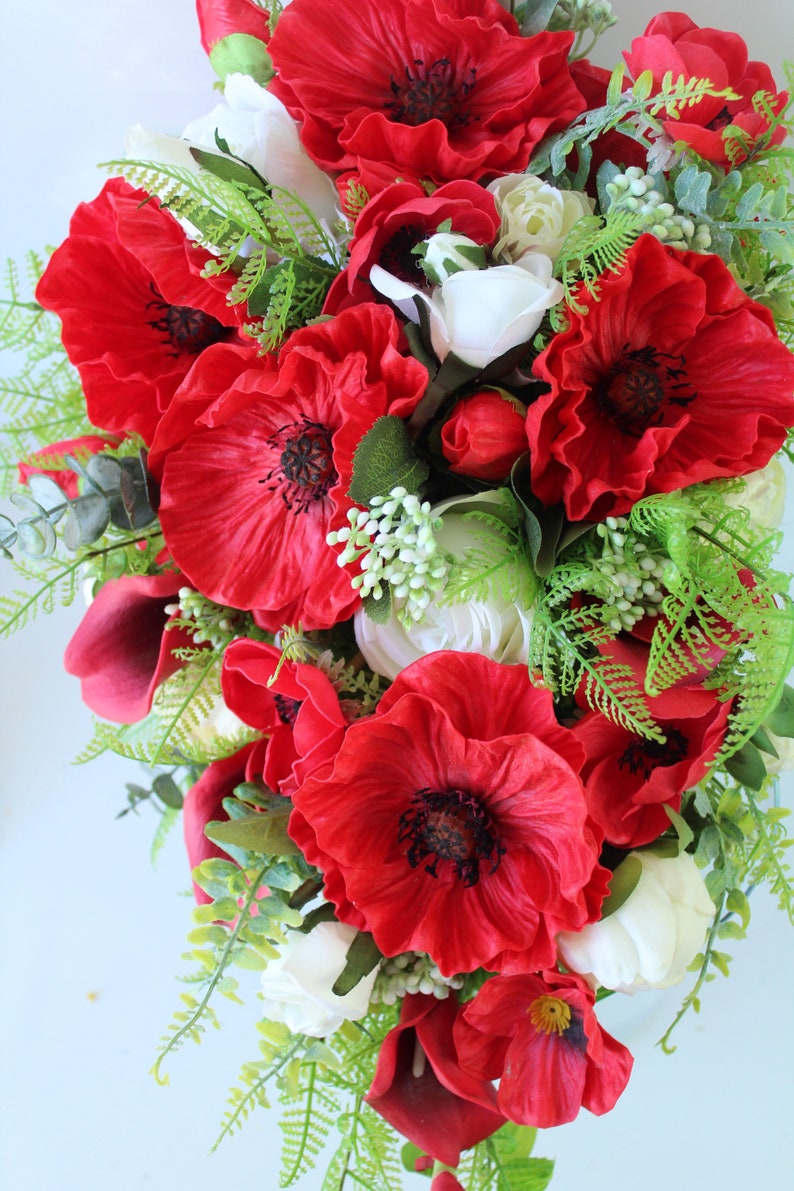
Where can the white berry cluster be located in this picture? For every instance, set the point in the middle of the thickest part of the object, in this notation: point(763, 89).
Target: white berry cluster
point(394, 543)
point(633, 576)
point(412, 972)
point(635, 191)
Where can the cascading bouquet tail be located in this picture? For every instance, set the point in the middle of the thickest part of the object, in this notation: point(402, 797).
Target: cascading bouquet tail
point(420, 421)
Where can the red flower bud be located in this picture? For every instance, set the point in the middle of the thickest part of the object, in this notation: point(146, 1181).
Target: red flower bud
point(485, 435)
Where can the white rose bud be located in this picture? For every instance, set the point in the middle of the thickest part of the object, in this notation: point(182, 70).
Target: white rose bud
point(497, 629)
point(479, 314)
point(536, 217)
point(446, 253)
point(296, 988)
point(651, 939)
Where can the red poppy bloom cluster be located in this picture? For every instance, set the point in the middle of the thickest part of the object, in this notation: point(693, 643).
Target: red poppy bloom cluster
point(464, 453)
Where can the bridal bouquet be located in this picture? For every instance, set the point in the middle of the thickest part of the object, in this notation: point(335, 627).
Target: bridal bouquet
point(413, 427)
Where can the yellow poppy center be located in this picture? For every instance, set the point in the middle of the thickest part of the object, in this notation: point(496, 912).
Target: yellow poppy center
point(550, 1014)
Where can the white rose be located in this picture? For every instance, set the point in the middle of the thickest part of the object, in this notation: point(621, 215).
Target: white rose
point(479, 314)
point(536, 217)
point(497, 629)
point(764, 494)
point(296, 988)
point(259, 129)
point(651, 939)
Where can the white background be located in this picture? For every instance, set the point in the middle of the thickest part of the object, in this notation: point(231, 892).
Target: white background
point(91, 934)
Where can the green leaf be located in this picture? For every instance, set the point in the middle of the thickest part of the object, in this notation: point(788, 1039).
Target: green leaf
point(781, 720)
point(684, 832)
point(537, 14)
point(228, 169)
point(241, 53)
point(363, 955)
point(378, 611)
point(384, 459)
point(622, 884)
point(747, 767)
point(265, 833)
point(615, 87)
point(168, 791)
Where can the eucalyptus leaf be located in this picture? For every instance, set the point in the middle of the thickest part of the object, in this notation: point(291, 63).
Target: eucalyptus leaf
point(265, 832)
point(36, 538)
point(363, 955)
point(168, 791)
point(537, 14)
point(104, 472)
point(87, 520)
point(384, 459)
point(49, 495)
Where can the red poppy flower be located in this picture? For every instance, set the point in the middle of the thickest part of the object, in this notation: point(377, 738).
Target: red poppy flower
point(136, 311)
point(672, 377)
point(674, 43)
point(630, 779)
point(221, 18)
point(473, 822)
point(299, 712)
point(398, 219)
point(250, 495)
point(539, 1036)
point(420, 1089)
point(122, 651)
point(443, 88)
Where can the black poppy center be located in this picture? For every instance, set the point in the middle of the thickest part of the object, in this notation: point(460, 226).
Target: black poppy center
point(305, 472)
point(287, 709)
point(634, 394)
point(722, 118)
point(397, 258)
point(186, 329)
point(643, 756)
point(431, 93)
point(450, 825)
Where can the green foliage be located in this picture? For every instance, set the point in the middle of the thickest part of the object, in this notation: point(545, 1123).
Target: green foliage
point(43, 402)
point(385, 460)
point(497, 566)
point(247, 916)
point(245, 222)
point(503, 1162)
point(743, 844)
point(595, 246)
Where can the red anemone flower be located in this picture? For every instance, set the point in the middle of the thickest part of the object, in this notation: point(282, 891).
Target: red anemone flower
point(251, 493)
point(671, 377)
point(122, 649)
point(398, 219)
point(674, 43)
point(473, 821)
point(420, 1089)
point(136, 312)
point(444, 89)
point(299, 711)
point(539, 1036)
point(630, 779)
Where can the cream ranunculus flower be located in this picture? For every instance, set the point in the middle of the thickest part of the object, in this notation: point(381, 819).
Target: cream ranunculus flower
point(536, 217)
point(479, 314)
point(764, 494)
point(650, 940)
point(495, 628)
point(296, 988)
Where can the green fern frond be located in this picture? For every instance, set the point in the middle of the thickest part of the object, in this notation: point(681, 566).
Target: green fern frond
point(496, 566)
point(59, 586)
point(306, 1123)
point(594, 247)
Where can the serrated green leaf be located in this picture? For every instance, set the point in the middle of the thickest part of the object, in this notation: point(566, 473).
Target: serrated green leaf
point(385, 459)
point(265, 833)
